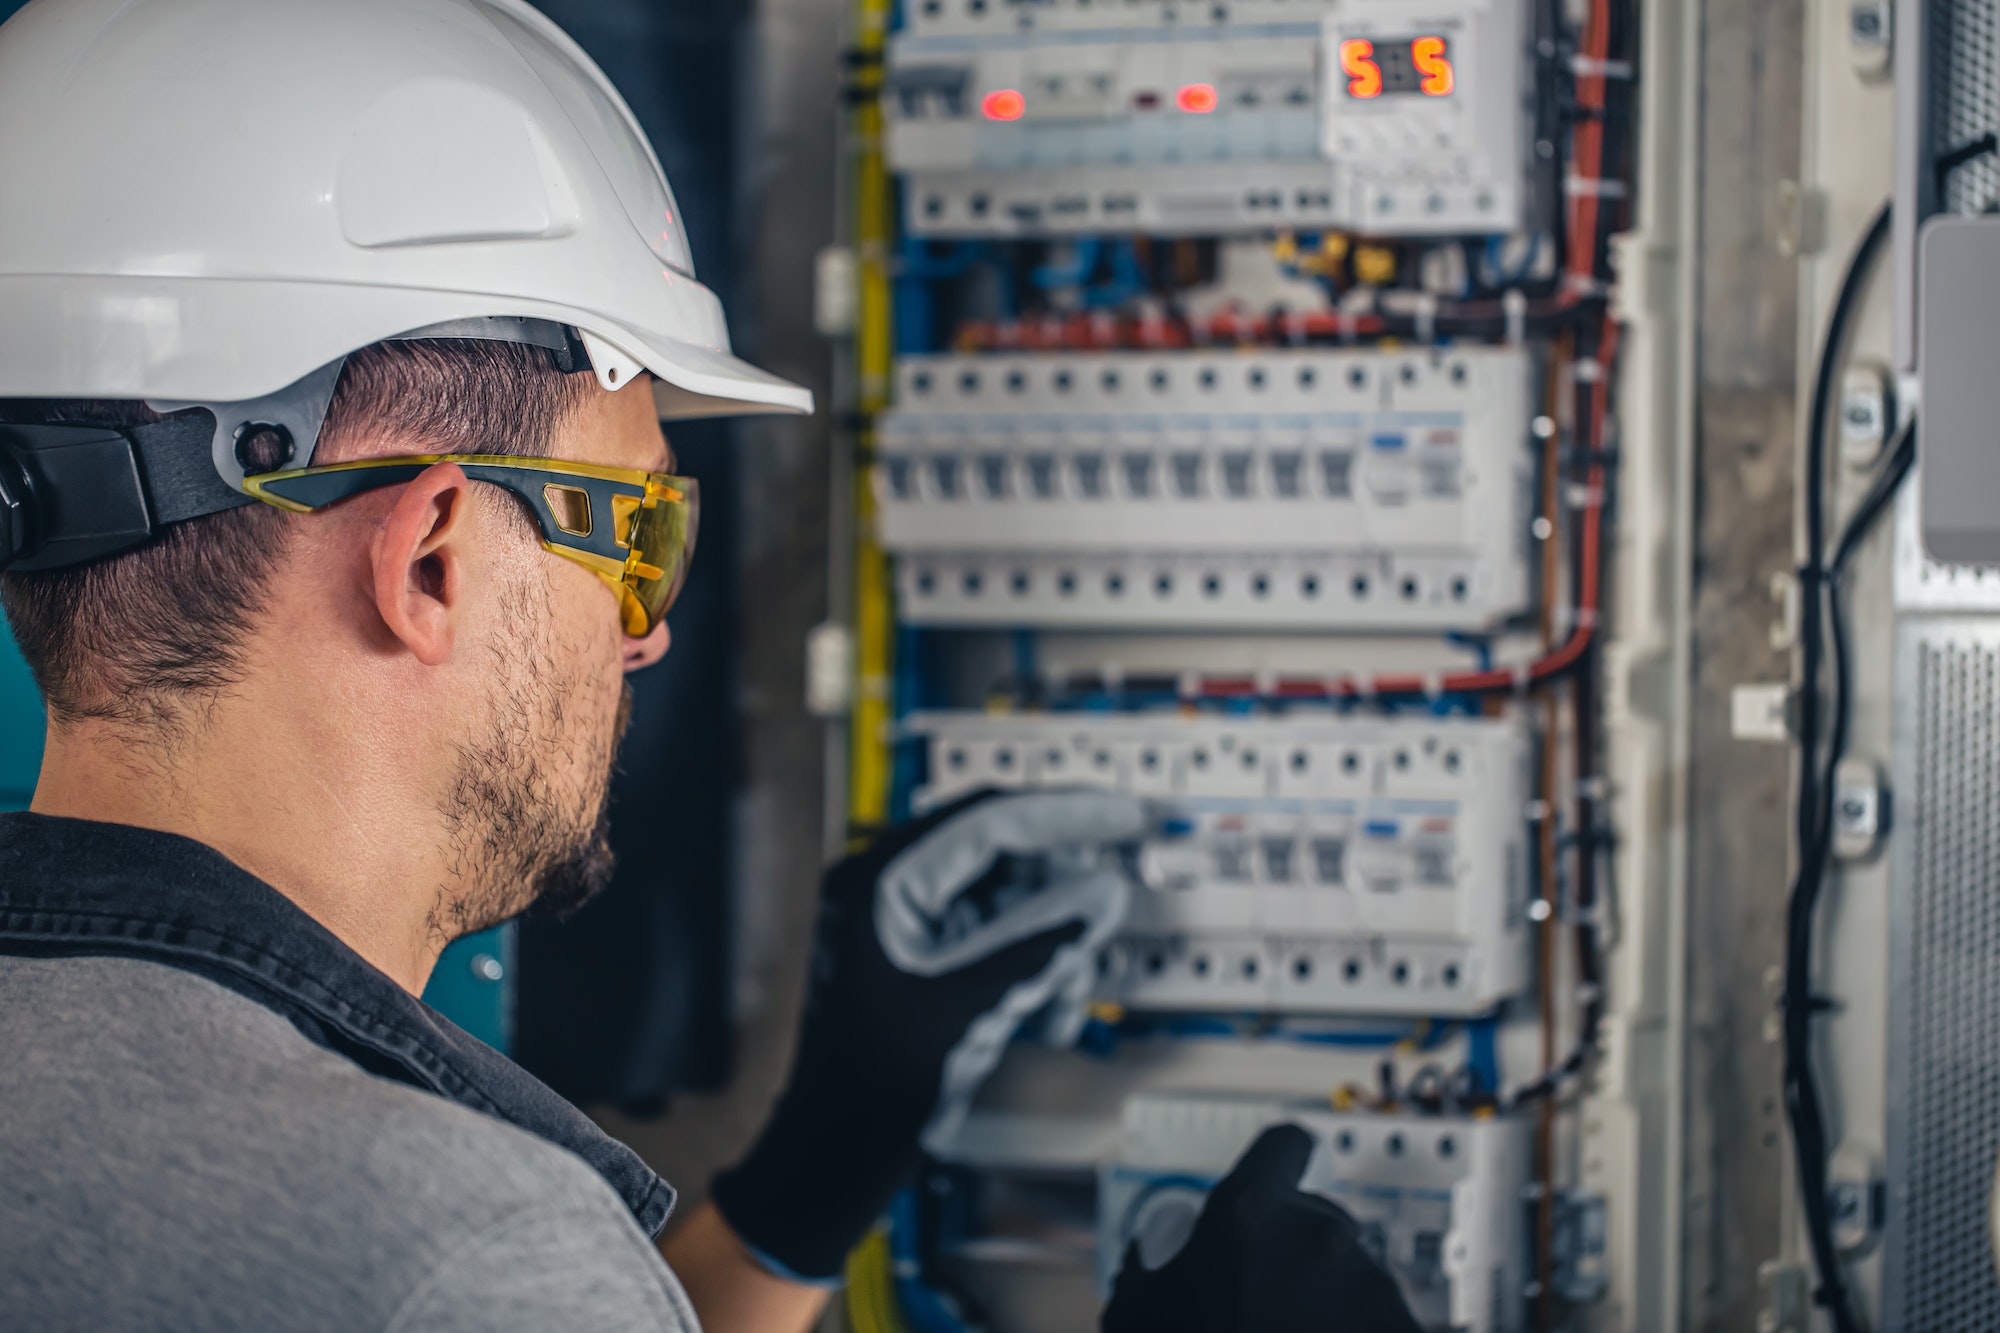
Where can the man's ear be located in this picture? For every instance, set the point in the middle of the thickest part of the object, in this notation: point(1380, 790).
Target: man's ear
point(419, 564)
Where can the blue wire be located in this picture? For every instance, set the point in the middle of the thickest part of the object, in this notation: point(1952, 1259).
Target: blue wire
point(915, 303)
point(916, 260)
point(1482, 1051)
point(1479, 645)
point(922, 1307)
point(909, 693)
point(912, 315)
point(1025, 665)
point(1075, 273)
point(1188, 1026)
point(1496, 248)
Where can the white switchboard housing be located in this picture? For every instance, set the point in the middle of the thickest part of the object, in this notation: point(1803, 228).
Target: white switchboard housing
point(1047, 119)
point(1352, 865)
point(1323, 489)
point(1440, 1199)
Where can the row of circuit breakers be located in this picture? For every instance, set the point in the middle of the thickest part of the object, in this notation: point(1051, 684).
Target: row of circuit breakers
point(1320, 863)
point(1199, 117)
point(1285, 490)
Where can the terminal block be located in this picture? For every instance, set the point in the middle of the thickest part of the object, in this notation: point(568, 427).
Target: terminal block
point(1300, 864)
point(1334, 489)
point(1439, 1199)
point(1391, 117)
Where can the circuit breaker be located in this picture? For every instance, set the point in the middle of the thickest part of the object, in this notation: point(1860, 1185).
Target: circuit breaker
point(1355, 865)
point(1382, 116)
point(1300, 489)
point(1440, 1199)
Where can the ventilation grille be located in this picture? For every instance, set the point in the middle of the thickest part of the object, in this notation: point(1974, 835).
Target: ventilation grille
point(1965, 96)
point(1946, 1015)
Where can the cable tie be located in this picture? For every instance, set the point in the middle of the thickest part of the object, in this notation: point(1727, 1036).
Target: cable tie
point(1582, 495)
point(1514, 303)
point(1265, 682)
point(1538, 810)
point(1590, 67)
point(1426, 316)
point(1585, 286)
point(1524, 676)
point(1587, 370)
point(1596, 187)
point(1188, 686)
point(1433, 685)
point(1586, 617)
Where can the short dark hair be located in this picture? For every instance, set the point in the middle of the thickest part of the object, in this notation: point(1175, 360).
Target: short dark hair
point(126, 639)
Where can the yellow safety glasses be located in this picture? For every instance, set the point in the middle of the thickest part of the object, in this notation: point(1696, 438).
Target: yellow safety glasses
point(635, 530)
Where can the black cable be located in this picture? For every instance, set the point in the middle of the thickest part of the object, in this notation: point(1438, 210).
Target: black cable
point(1947, 162)
point(1902, 456)
point(1802, 1101)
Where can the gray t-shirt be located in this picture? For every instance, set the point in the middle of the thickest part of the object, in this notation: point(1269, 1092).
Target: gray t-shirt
point(176, 1156)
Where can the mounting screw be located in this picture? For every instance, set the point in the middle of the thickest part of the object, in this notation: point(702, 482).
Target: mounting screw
point(262, 447)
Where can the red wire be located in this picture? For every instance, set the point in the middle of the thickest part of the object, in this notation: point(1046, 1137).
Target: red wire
point(1588, 154)
point(1551, 664)
point(1085, 331)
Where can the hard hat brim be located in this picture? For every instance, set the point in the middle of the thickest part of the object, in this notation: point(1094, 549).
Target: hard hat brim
point(172, 338)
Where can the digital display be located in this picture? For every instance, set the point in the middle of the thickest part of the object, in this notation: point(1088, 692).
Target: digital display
point(1397, 66)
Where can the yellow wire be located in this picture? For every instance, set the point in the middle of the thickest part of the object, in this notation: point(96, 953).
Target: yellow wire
point(874, 606)
point(871, 1287)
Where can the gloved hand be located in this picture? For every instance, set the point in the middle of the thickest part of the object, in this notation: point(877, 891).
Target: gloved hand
point(933, 944)
point(1264, 1257)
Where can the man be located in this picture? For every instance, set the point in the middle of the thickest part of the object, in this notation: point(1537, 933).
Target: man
point(334, 340)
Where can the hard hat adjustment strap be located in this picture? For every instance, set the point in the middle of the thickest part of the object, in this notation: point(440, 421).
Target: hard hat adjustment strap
point(181, 482)
point(71, 494)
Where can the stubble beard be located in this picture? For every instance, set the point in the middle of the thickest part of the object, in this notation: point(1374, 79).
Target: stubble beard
point(528, 811)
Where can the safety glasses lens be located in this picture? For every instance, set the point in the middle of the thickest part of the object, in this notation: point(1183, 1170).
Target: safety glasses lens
point(662, 537)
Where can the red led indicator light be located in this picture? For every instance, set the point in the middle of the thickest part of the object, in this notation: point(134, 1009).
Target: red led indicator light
point(1003, 104)
point(1198, 98)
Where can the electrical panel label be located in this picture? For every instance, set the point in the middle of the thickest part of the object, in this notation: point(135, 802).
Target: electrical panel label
point(1308, 864)
point(1438, 1198)
point(1282, 489)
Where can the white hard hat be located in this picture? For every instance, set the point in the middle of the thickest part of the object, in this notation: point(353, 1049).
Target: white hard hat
point(213, 202)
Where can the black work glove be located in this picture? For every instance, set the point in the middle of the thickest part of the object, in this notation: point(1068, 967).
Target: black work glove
point(1264, 1257)
point(933, 944)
